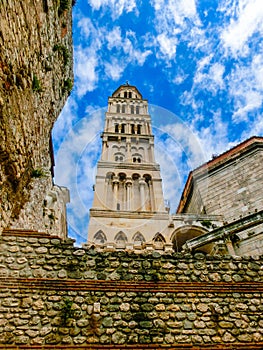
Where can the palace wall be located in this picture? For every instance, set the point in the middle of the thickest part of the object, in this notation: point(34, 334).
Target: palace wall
point(55, 295)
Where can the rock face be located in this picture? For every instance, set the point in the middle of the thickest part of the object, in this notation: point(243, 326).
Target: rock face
point(35, 80)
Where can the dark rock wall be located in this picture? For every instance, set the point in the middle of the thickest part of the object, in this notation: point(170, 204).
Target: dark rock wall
point(35, 80)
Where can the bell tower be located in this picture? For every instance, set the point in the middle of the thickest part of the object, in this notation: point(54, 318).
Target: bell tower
point(128, 208)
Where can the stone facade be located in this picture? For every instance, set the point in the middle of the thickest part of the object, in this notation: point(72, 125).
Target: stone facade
point(55, 295)
point(128, 207)
point(128, 211)
point(230, 185)
point(35, 80)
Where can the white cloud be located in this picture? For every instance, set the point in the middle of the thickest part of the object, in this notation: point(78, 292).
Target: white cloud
point(167, 45)
point(117, 7)
point(76, 166)
point(246, 88)
point(170, 21)
point(86, 76)
point(114, 69)
point(114, 38)
point(238, 32)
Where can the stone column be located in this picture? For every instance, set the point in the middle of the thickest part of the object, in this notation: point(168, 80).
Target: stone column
point(151, 154)
point(115, 192)
point(128, 193)
point(151, 196)
point(230, 247)
point(142, 193)
point(104, 152)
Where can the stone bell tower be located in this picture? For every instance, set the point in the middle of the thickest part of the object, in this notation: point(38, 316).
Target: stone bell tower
point(128, 208)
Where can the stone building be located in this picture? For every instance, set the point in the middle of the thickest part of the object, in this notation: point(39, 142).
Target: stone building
point(230, 185)
point(220, 208)
point(128, 208)
point(54, 295)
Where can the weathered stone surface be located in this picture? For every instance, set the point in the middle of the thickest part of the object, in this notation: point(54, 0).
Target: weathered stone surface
point(109, 316)
point(32, 94)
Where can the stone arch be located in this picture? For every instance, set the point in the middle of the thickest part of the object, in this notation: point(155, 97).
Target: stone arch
point(120, 239)
point(185, 233)
point(119, 157)
point(147, 178)
point(109, 175)
point(138, 238)
point(99, 237)
point(158, 241)
point(136, 158)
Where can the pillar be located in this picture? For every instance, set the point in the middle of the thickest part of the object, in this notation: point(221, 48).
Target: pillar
point(115, 192)
point(230, 247)
point(142, 184)
point(128, 193)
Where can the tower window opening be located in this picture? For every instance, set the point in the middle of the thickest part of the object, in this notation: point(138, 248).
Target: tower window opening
point(132, 129)
point(139, 129)
point(123, 128)
point(125, 94)
point(134, 159)
point(132, 109)
point(123, 108)
point(116, 128)
point(118, 108)
point(130, 95)
point(137, 110)
point(118, 206)
point(139, 160)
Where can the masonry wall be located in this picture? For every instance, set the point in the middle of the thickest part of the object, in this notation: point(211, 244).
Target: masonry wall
point(35, 80)
point(55, 295)
point(231, 190)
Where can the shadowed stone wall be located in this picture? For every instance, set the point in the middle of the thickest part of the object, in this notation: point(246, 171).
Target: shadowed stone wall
point(35, 80)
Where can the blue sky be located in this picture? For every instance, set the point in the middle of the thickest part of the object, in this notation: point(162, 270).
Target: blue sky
point(198, 62)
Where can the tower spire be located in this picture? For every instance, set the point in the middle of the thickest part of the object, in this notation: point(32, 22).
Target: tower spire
point(128, 199)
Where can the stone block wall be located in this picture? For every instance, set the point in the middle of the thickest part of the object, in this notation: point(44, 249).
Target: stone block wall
point(233, 189)
point(35, 80)
point(55, 295)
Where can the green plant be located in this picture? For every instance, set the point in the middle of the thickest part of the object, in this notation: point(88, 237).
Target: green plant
point(66, 311)
point(206, 223)
point(64, 51)
point(37, 173)
point(68, 85)
point(63, 6)
point(36, 86)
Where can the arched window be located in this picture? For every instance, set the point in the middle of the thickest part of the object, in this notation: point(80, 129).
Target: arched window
point(130, 95)
point(159, 241)
point(138, 238)
point(123, 128)
point(132, 109)
point(116, 128)
point(99, 237)
point(139, 129)
point(125, 94)
point(123, 108)
point(120, 239)
point(137, 110)
point(118, 108)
